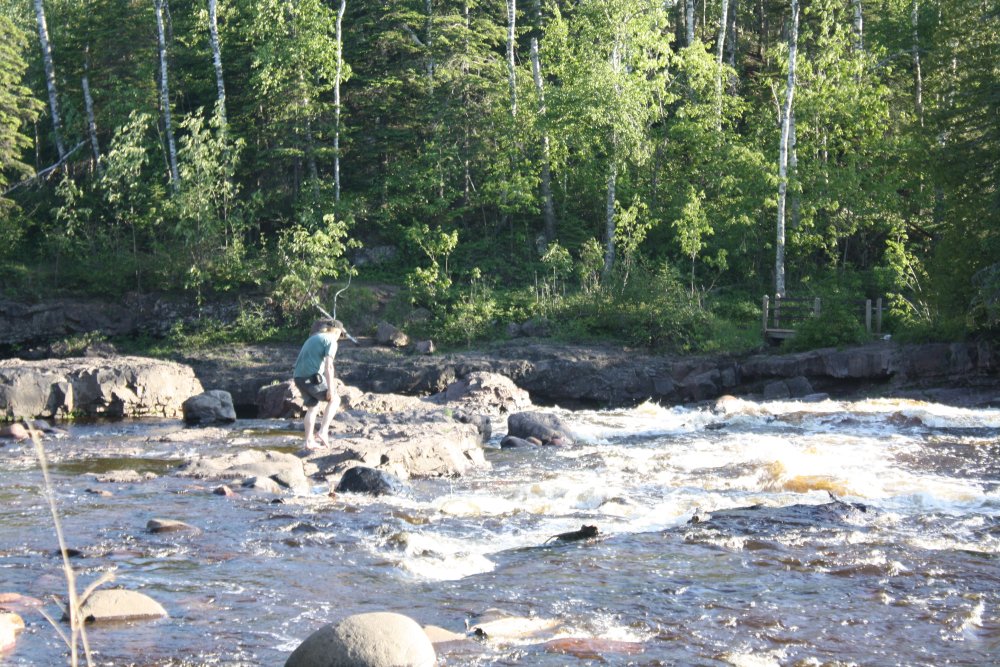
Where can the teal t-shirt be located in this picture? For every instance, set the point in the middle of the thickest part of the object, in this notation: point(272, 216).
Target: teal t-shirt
point(314, 350)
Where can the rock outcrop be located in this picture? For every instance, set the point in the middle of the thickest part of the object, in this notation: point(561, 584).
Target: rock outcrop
point(124, 386)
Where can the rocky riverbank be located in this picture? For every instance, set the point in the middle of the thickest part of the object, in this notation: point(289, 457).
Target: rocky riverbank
point(605, 376)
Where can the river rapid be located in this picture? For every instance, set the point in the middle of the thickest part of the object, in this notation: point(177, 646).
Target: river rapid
point(720, 542)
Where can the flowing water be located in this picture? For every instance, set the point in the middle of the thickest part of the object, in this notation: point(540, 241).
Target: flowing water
point(720, 543)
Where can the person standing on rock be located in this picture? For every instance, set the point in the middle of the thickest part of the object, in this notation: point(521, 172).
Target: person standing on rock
point(313, 376)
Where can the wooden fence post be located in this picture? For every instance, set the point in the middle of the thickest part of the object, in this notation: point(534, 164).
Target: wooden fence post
point(868, 315)
point(816, 307)
point(878, 315)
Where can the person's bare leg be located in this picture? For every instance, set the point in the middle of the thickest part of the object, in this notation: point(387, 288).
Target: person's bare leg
point(324, 427)
point(310, 424)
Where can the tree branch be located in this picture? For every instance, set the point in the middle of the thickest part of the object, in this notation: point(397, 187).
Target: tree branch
point(45, 172)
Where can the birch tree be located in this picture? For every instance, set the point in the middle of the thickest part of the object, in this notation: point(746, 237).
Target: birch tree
point(548, 204)
point(213, 33)
point(786, 122)
point(165, 96)
point(88, 102)
point(338, 79)
point(50, 77)
point(511, 64)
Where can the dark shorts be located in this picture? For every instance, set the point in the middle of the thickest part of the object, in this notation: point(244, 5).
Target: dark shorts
point(312, 388)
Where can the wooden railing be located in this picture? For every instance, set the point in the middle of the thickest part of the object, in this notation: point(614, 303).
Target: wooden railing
point(783, 314)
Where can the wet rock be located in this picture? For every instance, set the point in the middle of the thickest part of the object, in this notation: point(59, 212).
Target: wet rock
point(387, 334)
point(361, 479)
point(264, 484)
point(286, 469)
point(378, 639)
point(546, 427)
point(224, 491)
point(584, 533)
point(592, 648)
point(121, 387)
point(14, 431)
point(210, 407)
point(125, 477)
point(120, 605)
point(157, 526)
point(761, 521)
point(510, 442)
point(10, 625)
point(500, 626)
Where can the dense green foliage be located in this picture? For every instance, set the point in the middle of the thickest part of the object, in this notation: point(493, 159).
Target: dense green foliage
point(658, 157)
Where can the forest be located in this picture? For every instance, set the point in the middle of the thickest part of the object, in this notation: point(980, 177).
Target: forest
point(630, 169)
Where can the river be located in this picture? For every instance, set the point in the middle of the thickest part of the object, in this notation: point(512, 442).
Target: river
point(720, 542)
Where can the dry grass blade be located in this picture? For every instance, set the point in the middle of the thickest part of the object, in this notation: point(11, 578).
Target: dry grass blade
point(78, 633)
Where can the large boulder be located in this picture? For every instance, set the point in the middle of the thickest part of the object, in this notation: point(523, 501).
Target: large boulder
point(547, 428)
point(121, 387)
point(209, 407)
point(283, 400)
point(387, 334)
point(377, 639)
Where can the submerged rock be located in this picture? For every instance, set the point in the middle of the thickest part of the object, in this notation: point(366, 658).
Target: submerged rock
point(361, 479)
point(284, 469)
point(156, 526)
point(548, 428)
point(377, 639)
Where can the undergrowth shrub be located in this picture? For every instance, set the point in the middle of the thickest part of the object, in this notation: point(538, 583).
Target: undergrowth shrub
point(838, 325)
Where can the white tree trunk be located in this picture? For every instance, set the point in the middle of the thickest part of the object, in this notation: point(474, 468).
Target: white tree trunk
point(793, 168)
point(859, 26)
point(548, 206)
point(213, 32)
point(719, 46)
point(336, 100)
point(429, 40)
point(50, 77)
point(88, 102)
point(786, 122)
point(609, 220)
point(175, 178)
point(511, 65)
point(689, 20)
point(731, 43)
point(918, 82)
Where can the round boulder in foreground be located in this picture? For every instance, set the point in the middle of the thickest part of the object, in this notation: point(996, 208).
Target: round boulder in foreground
point(377, 639)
